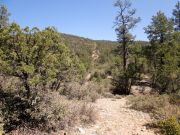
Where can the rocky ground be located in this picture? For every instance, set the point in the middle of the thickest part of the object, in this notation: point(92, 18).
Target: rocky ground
point(116, 118)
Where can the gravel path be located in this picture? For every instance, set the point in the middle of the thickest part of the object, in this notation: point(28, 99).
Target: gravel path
point(115, 118)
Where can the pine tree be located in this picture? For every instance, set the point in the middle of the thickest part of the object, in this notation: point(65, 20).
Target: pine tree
point(176, 14)
point(4, 16)
point(160, 29)
point(163, 53)
point(125, 21)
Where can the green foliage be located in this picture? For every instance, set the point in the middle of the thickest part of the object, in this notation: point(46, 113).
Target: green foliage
point(124, 80)
point(15, 111)
point(163, 54)
point(167, 73)
point(170, 126)
point(83, 48)
point(106, 49)
point(160, 28)
point(37, 60)
point(97, 76)
point(125, 21)
point(136, 54)
point(108, 60)
point(176, 14)
point(40, 60)
point(4, 20)
point(34, 56)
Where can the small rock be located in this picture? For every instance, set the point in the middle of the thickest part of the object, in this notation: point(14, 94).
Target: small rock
point(81, 130)
point(143, 129)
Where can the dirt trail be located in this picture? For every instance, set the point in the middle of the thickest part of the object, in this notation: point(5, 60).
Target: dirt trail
point(115, 118)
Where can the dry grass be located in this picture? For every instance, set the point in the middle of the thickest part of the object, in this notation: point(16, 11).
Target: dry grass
point(88, 91)
point(58, 111)
point(62, 113)
point(10, 83)
point(164, 108)
point(55, 112)
point(157, 105)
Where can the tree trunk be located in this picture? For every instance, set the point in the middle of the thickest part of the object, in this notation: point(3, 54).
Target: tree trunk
point(56, 85)
point(28, 92)
point(26, 85)
point(125, 57)
point(125, 68)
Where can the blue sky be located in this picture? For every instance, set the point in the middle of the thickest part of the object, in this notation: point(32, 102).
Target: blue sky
point(87, 18)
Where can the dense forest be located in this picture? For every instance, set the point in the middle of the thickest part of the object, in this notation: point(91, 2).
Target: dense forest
point(49, 80)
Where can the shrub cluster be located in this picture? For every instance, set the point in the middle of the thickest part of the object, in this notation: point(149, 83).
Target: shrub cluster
point(159, 106)
point(169, 126)
point(48, 113)
point(88, 91)
point(164, 108)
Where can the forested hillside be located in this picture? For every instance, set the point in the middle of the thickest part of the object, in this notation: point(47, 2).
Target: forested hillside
point(84, 48)
point(105, 50)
